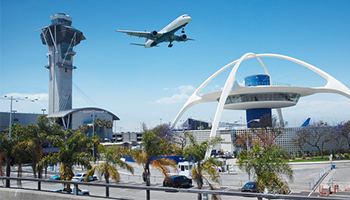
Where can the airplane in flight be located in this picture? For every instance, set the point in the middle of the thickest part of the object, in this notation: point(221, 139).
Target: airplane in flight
point(167, 34)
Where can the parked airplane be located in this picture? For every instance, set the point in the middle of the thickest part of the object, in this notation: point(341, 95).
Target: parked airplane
point(165, 35)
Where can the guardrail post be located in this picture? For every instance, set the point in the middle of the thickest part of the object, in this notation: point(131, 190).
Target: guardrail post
point(75, 189)
point(7, 183)
point(39, 184)
point(107, 191)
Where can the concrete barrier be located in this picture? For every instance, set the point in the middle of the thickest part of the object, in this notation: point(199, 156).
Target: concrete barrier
point(20, 194)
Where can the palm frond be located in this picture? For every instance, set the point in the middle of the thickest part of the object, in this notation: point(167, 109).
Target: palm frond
point(114, 173)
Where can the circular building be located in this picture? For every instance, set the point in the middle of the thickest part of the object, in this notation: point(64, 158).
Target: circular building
point(258, 95)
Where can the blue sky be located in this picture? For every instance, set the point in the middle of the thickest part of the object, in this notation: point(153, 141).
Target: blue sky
point(151, 85)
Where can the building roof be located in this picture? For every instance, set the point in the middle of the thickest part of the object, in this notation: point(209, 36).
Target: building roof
point(64, 113)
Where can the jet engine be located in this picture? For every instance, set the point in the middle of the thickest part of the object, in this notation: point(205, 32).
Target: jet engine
point(153, 34)
point(182, 37)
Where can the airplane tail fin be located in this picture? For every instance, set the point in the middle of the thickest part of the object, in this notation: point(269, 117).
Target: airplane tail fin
point(138, 44)
point(306, 123)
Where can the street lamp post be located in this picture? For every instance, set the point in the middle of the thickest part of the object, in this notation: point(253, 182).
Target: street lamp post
point(253, 120)
point(93, 132)
point(11, 98)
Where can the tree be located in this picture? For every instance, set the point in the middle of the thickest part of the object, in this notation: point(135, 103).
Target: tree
point(42, 133)
point(7, 147)
point(268, 164)
point(241, 140)
point(153, 146)
point(105, 124)
point(266, 130)
point(111, 156)
point(342, 133)
point(315, 135)
point(196, 152)
point(71, 152)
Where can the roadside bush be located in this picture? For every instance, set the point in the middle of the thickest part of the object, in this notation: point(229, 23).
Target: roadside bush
point(346, 155)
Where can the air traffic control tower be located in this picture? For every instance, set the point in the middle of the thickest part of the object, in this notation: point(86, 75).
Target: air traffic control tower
point(61, 39)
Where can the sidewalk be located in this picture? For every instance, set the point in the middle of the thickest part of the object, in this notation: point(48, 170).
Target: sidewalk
point(340, 176)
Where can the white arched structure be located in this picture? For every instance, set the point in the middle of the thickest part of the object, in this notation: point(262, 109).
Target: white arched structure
point(233, 87)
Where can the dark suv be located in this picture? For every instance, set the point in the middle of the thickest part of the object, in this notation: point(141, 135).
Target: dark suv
point(177, 181)
point(250, 187)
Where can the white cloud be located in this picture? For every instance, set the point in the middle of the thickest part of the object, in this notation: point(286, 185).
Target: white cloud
point(176, 98)
point(185, 90)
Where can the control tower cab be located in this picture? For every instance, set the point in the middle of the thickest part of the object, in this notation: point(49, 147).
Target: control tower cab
point(61, 39)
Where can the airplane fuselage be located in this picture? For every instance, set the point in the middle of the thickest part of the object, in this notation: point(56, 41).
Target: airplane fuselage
point(169, 30)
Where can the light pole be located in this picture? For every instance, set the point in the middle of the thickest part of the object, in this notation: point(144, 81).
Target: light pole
point(253, 120)
point(93, 133)
point(43, 109)
point(11, 98)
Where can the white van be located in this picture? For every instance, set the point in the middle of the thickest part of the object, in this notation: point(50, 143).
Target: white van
point(185, 168)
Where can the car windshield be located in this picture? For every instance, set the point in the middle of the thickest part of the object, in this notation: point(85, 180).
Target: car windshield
point(78, 175)
point(249, 185)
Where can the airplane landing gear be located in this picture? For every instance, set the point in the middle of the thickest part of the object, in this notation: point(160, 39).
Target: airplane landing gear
point(170, 45)
point(183, 30)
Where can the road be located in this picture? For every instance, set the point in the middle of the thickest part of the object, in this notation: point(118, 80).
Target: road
point(303, 174)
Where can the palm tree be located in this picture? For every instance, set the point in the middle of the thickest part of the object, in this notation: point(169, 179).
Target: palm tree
point(111, 156)
point(7, 149)
point(153, 146)
point(268, 164)
point(71, 152)
point(105, 124)
point(43, 132)
point(196, 152)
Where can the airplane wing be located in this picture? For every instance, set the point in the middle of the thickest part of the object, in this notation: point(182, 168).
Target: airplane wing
point(179, 38)
point(144, 34)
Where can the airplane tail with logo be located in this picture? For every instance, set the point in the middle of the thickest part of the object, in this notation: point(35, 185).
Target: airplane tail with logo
point(306, 123)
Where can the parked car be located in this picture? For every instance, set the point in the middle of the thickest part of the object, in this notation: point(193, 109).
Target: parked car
point(64, 190)
point(56, 177)
point(177, 181)
point(81, 177)
point(250, 187)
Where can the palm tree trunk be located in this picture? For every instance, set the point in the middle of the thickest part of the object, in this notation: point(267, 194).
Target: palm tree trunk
point(199, 184)
point(107, 188)
point(19, 175)
point(148, 183)
point(8, 172)
point(34, 167)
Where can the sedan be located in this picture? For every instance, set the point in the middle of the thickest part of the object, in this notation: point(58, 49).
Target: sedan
point(177, 181)
point(81, 177)
point(64, 190)
point(250, 187)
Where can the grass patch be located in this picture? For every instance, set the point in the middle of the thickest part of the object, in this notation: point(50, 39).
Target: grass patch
point(316, 159)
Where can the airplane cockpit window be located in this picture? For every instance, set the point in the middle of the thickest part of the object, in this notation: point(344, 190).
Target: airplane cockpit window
point(184, 15)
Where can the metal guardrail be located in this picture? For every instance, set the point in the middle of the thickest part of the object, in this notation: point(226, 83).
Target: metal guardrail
point(259, 196)
point(319, 177)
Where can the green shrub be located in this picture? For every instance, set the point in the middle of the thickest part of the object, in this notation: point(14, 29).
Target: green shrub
point(346, 155)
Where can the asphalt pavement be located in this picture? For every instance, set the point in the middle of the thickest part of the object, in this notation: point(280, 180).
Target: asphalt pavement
point(233, 180)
